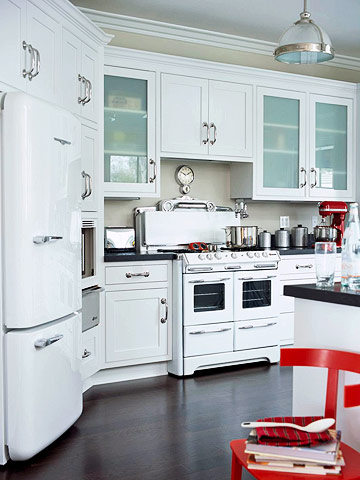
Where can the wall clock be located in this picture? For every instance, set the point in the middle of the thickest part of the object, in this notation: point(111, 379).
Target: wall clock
point(184, 176)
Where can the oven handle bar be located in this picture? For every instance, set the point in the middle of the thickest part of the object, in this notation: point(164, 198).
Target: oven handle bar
point(256, 279)
point(265, 265)
point(217, 280)
point(233, 267)
point(201, 332)
point(200, 269)
point(257, 326)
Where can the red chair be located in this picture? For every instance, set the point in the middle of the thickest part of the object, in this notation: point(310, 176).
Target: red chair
point(334, 361)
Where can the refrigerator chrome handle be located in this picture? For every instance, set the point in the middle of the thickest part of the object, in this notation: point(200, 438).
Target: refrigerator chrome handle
point(86, 354)
point(45, 342)
point(40, 239)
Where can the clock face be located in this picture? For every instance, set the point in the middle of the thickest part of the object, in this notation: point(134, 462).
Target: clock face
point(184, 175)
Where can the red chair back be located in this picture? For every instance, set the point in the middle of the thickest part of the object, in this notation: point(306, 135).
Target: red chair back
point(334, 361)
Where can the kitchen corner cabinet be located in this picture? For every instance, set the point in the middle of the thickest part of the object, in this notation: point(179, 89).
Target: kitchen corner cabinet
point(130, 163)
point(205, 119)
point(89, 167)
point(305, 148)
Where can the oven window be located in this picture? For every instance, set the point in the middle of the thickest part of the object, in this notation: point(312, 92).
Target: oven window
point(209, 297)
point(257, 294)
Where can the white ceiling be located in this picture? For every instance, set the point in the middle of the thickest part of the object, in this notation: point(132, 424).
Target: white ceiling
point(258, 19)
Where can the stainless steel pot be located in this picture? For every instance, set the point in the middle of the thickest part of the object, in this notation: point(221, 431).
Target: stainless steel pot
point(265, 239)
point(299, 236)
point(241, 237)
point(324, 233)
point(282, 238)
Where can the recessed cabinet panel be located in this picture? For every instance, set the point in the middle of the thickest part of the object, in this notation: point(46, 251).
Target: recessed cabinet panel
point(71, 68)
point(331, 148)
point(129, 133)
point(230, 117)
point(136, 325)
point(89, 153)
point(184, 111)
point(12, 34)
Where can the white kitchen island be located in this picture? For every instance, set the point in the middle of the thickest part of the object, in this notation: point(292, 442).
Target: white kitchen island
point(326, 318)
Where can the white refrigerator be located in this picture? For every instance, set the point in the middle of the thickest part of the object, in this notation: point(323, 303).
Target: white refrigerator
point(41, 282)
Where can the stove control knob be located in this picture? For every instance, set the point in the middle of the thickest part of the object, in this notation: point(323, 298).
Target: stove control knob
point(201, 256)
point(257, 254)
point(250, 254)
point(209, 256)
point(265, 254)
point(234, 255)
point(218, 256)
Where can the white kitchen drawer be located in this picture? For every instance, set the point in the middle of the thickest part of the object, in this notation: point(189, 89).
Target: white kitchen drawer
point(297, 266)
point(256, 334)
point(138, 273)
point(286, 328)
point(90, 352)
point(207, 339)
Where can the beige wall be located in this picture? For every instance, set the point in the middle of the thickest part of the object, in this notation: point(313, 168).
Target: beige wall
point(212, 179)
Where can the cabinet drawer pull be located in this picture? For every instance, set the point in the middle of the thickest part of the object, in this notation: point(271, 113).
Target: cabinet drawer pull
point(86, 354)
point(304, 266)
point(29, 48)
point(257, 326)
point(143, 274)
point(201, 332)
point(205, 141)
point(164, 302)
point(45, 342)
point(153, 178)
point(212, 125)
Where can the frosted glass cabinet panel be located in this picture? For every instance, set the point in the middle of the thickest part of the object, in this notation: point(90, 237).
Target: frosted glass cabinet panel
point(330, 146)
point(281, 141)
point(129, 132)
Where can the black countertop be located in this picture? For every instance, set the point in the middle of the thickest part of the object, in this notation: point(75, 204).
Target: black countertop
point(137, 257)
point(329, 295)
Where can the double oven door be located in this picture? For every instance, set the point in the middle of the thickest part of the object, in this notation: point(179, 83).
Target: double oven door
point(230, 296)
point(208, 298)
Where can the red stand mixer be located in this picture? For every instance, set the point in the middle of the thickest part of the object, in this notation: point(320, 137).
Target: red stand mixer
point(338, 210)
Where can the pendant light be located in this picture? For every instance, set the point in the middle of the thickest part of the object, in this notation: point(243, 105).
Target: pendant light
point(304, 42)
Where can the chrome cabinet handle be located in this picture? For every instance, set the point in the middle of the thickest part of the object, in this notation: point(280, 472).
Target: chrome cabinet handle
point(88, 185)
point(153, 178)
point(201, 332)
point(313, 170)
point(164, 302)
point(37, 62)
point(217, 280)
point(212, 125)
point(304, 266)
point(46, 239)
point(86, 354)
point(130, 275)
point(88, 92)
point(29, 48)
point(302, 170)
point(247, 327)
point(205, 141)
point(62, 141)
point(45, 342)
point(82, 81)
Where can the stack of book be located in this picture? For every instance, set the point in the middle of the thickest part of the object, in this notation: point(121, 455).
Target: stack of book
point(321, 459)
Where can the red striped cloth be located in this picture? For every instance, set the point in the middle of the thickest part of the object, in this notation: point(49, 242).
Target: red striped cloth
point(287, 436)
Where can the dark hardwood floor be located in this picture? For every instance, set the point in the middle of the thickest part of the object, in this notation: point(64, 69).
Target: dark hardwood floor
point(161, 428)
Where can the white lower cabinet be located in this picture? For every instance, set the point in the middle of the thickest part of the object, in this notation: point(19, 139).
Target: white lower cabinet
point(256, 334)
point(208, 339)
point(90, 362)
point(286, 328)
point(137, 323)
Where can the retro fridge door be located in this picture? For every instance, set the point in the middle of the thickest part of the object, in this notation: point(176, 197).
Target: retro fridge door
point(41, 186)
point(43, 385)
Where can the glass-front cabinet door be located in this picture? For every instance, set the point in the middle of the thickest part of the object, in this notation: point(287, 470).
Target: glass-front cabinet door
point(280, 164)
point(129, 133)
point(331, 154)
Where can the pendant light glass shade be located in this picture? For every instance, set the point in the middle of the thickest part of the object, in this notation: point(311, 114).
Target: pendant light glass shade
point(304, 42)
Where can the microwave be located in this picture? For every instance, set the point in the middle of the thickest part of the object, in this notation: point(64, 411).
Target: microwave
point(120, 238)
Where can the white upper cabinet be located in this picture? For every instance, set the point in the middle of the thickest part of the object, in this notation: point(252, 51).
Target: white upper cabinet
point(43, 34)
point(12, 34)
point(130, 163)
point(79, 77)
point(281, 156)
point(206, 119)
point(184, 115)
point(331, 147)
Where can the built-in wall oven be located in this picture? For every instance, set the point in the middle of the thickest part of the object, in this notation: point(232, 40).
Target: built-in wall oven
point(208, 298)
